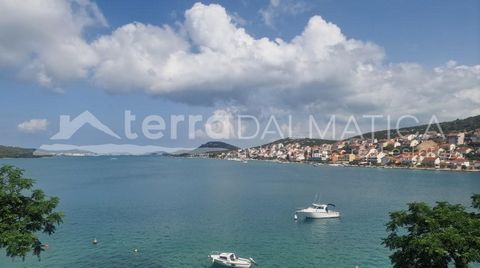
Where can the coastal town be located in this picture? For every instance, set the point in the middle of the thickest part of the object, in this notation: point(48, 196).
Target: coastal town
point(430, 150)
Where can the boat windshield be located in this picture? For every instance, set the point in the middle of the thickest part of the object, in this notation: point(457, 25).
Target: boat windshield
point(319, 206)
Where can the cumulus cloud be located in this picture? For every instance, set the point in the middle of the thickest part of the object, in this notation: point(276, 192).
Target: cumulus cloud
point(208, 59)
point(136, 56)
point(215, 57)
point(43, 40)
point(33, 126)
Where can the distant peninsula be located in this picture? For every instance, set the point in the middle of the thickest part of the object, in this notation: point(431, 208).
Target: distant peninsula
point(16, 152)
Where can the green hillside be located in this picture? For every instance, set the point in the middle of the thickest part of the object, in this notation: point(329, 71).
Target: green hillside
point(301, 141)
point(16, 152)
point(464, 125)
point(219, 145)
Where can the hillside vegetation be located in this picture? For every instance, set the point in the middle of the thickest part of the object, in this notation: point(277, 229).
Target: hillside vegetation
point(460, 125)
point(15, 152)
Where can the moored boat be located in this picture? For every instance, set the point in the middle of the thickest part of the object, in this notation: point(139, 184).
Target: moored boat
point(228, 259)
point(318, 211)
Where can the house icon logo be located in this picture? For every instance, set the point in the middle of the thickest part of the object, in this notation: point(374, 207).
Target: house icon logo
point(69, 127)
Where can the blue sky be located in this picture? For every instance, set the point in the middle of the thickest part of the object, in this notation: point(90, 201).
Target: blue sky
point(429, 32)
point(404, 45)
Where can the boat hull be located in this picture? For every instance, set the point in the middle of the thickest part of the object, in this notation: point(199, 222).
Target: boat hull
point(318, 215)
point(239, 262)
point(232, 264)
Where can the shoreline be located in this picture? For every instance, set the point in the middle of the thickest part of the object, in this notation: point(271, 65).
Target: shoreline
point(338, 165)
point(282, 162)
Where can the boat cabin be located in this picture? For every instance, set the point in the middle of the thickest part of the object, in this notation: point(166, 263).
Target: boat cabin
point(228, 256)
point(320, 207)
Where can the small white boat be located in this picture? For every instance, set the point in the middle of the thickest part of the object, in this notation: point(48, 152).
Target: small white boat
point(229, 259)
point(318, 211)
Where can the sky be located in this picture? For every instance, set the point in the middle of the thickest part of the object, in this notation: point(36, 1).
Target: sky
point(276, 58)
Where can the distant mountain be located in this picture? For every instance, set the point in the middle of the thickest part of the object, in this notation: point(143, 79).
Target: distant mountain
point(218, 145)
point(301, 141)
point(16, 152)
point(464, 125)
point(209, 147)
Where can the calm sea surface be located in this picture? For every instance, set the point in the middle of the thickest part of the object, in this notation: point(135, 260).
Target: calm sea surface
point(176, 210)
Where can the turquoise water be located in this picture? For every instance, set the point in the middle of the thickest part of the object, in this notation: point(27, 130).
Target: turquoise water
point(176, 210)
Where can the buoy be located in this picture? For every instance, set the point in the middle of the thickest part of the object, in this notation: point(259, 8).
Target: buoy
point(135, 250)
point(295, 217)
point(94, 241)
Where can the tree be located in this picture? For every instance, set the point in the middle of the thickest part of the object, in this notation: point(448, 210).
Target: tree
point(23, 213)
point(434, 237)
point(476, 201)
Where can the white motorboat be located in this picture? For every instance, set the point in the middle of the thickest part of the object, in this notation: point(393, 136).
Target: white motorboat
point(229, 259)
point(318, 211)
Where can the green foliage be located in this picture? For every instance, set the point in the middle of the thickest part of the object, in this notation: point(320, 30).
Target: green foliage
point(467, 124)
point(301, 141)
point(389, 147)
point(473, 156)
point(24, 212)
point(423, 236)
point(220, 145)
point(476, 201)
point(16, 152)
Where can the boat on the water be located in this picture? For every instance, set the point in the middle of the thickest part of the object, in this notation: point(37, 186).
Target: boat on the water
point(318, 211)
point(228, 259)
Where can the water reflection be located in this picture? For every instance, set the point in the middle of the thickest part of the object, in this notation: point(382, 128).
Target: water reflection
point(319, 228)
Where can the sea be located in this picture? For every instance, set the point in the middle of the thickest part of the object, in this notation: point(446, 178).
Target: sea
point(155, 211)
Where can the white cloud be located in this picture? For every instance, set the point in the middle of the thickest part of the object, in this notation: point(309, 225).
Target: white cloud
point(43, 40)
point(222, 58)
point(135, 56)
point(33, 126)
point(210, 60)
point(220, 125)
